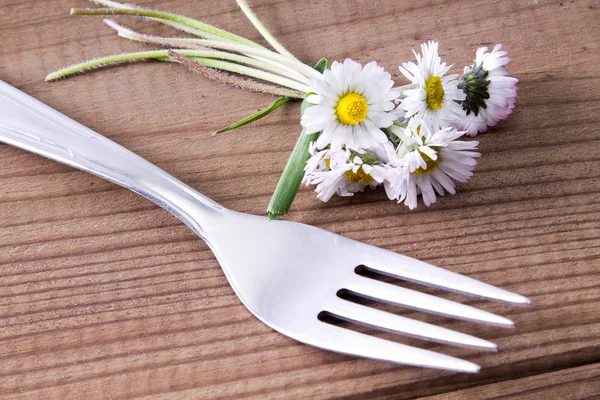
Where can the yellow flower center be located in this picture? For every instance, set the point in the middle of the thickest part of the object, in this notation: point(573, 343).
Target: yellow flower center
point(435, 92)
point(352, 109)
point(431, 165)
point(360, 176)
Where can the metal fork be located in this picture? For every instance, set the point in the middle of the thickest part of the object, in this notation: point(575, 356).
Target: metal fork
point(286, 273)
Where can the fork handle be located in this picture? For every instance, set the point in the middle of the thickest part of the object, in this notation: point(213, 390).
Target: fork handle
point(31, 125)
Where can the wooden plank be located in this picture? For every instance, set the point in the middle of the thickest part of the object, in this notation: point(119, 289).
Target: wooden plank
point(102, 294)
point(573, 383)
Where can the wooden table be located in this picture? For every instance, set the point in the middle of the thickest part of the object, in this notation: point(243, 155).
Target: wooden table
point(104, 295)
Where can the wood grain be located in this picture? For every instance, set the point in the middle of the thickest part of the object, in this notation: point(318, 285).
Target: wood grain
point(103, 295)
point(581, 382)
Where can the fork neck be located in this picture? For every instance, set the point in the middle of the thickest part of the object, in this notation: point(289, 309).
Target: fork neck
point(33, 126)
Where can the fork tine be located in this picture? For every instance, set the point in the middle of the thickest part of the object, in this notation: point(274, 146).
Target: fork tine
point(335, 338)
point(385, 292)
point(378, 319)
point(412, 270)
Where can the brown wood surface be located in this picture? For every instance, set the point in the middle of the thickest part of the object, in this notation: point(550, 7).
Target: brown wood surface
point(104, 295)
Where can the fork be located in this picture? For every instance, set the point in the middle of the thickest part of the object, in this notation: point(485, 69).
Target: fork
point(287, 274)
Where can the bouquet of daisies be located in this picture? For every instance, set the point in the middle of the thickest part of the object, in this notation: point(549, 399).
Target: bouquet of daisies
point(405, 138)
point(359, 129)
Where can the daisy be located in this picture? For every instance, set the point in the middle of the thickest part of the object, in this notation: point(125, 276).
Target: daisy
point(431, 95)
point(345, 172)
point(425, 163)
point(490, 92)
point(352, 104)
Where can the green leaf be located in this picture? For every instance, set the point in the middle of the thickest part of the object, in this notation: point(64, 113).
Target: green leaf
point(256, 116)
point(290, 179)
point(292, 175)
point(322, 65)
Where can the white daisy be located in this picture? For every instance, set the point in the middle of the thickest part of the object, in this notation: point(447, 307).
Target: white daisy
point(431, 97)
point(490, 92)
point(425, 163)
point(345, 172)
point(352, 104)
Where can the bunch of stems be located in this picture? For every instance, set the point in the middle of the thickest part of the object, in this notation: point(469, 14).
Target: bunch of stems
point(223, 56)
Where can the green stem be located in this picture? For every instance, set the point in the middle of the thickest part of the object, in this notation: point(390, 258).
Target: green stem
point(105, 61)
point(263, 29)
point(259, 62)
point(176, 25)
point(259, 53)
point(165, 16)
point(292, 175)
point(290, 179)
point(281, 69)
point(251, 72)
point(198, 65)
point(199, 56)
point(240, 48)
point(221, 55)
